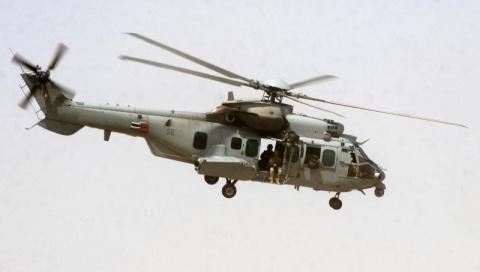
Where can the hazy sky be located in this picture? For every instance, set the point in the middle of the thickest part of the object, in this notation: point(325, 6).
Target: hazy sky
point(79, 204)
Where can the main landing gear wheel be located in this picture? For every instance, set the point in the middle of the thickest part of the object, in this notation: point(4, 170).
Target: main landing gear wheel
point(335, 202)
point(211, 180)
point(229, 190)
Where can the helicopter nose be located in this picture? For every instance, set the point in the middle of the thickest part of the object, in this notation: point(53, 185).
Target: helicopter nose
point(379, 174)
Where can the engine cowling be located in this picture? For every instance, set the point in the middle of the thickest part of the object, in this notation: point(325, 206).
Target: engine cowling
point(311, 127)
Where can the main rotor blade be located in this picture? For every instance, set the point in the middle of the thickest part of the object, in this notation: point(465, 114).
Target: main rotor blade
point(184, 70)
point(17, 58)
point(310, 105)
point(61, 49)
point(189, 57)
point(311, 81)
point(302, 96)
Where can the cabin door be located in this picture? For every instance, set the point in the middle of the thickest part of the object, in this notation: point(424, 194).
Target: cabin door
point(328, 163)
point(291, 160)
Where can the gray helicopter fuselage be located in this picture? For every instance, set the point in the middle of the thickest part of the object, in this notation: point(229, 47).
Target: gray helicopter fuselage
point(323, 163)
point(188, 137)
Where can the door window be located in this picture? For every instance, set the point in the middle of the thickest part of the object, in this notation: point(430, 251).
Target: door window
point(312, 157)
point(251, 149)
point(328, 158)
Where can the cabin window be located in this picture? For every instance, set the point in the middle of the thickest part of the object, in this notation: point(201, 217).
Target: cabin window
point(200, 140)
point(236, 143)
point(328, 158)
point(312, 152)
point(251, 149)
point(294, 156)
point(312, 157)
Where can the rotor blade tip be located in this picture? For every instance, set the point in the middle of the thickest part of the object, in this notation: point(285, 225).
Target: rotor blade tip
point(16, 58)
point(23, 104)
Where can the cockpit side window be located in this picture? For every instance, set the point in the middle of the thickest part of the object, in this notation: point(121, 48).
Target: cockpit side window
point(362, 156)
point(354, 157)
point(328, 158)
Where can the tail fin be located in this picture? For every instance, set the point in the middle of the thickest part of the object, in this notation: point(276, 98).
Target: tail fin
point(50, 97)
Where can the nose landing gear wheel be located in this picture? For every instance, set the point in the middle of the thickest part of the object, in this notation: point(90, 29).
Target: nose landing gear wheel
point(210, 180)
point(379, 192)
point(229, 190)
point(335, 202)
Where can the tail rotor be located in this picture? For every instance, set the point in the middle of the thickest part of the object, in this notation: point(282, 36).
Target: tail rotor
point(42, 77)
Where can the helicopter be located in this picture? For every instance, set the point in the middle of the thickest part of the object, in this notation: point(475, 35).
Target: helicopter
point(225, 143)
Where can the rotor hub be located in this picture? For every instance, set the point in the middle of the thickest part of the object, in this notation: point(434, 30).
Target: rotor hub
point(43, 76)
point(277, 84)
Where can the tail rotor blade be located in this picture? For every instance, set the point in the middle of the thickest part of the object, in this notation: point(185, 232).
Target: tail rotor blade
point(59, 53)
point(17, 58)
point(24, 102)
point(67, 92)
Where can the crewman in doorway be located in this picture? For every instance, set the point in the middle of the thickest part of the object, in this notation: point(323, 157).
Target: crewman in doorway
point(265, 158)
point(275, 167)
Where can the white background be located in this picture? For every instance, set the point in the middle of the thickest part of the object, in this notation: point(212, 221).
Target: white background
point(80, 204)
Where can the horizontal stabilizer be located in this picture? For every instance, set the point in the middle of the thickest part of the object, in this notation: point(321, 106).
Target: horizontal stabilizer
point(59, 127)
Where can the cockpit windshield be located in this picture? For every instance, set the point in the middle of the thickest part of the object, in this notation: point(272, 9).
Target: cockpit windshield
point(362, 167)
point(366, 171)
point(362, 156)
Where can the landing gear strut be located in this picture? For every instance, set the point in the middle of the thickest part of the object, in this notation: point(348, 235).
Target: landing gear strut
point(229, 190)
point(335, 202)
